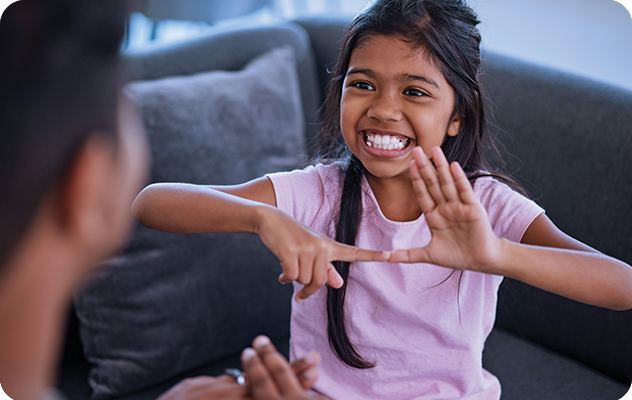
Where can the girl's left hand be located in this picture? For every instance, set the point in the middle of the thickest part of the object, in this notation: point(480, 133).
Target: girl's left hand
point(462, 237)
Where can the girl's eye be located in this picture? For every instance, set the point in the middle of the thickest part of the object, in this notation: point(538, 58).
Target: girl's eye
point(414, 92)
point(362, 85)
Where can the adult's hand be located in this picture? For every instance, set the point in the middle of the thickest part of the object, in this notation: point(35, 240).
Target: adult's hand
point(306, 369)
point(207, 388)
point(224, 387)
point(270, 376)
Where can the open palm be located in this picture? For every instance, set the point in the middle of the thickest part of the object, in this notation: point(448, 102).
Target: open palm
point(462, 237)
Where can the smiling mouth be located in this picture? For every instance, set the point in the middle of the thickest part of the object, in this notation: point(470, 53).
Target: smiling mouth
point(385, 142)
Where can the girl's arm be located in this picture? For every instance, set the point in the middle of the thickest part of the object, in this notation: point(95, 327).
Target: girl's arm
point(306, 255)
point(188, 208)
point(549, 259)
point(462, 238)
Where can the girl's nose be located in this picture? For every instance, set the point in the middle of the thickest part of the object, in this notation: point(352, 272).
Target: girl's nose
point(385, 108)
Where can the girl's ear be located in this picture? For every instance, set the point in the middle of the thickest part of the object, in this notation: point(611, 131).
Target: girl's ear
point(455, 125)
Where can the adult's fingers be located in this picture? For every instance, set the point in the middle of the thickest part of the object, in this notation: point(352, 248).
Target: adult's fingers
point(306, 369)
point(260, 380)
point(205, 387)
point(279, 368)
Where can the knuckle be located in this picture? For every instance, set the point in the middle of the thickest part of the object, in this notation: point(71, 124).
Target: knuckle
point(258, 379)
point(320, 281)
point(307, 291)
point(304, 280)
point(278, 369)
point(292, 250)
point(289, 273)
point(289, 276)
point(322, 246)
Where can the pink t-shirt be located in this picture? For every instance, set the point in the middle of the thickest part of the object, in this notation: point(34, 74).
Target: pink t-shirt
point(426, 341)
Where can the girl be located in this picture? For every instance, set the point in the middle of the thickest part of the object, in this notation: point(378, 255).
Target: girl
point(404, 117)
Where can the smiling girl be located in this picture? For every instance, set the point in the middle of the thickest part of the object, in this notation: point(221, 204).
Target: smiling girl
point(402, 173)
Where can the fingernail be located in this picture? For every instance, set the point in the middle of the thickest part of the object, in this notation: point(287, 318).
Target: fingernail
point(248, 353)
point(298, 299)
point(261, 341)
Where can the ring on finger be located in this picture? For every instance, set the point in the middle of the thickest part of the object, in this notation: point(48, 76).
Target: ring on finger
point(237, 374)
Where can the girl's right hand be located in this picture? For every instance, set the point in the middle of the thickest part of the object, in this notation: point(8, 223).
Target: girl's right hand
point(306, 256)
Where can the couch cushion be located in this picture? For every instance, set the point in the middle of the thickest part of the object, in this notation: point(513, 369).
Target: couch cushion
point(170, 302)
point(530, 372)
point(228, 50)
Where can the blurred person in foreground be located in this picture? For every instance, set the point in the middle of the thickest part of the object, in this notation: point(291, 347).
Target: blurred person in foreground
point(72, 158)
point(3, 395)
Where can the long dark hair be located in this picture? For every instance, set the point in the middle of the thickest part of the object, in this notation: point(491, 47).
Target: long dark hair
point(447, 30)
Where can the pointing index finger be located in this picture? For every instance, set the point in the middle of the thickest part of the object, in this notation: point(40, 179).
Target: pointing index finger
point(344, 252)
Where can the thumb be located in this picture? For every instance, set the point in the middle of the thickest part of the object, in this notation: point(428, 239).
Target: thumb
point(333, 277)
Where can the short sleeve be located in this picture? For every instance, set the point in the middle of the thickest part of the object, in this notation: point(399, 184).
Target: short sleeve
point(309, 195)
point(509, 212)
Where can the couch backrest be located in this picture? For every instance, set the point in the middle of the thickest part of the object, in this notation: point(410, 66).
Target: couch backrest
point(571, 138)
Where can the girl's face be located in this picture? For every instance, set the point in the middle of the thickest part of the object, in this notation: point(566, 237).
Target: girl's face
point(394, 98)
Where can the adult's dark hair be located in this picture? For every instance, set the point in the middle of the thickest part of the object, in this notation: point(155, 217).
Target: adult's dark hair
point(59, 82)
point(446, 30)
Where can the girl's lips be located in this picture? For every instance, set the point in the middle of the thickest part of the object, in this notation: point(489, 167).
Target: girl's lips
point(382, 144)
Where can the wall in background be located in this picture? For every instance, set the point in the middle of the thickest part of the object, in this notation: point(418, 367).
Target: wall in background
point(587, 37)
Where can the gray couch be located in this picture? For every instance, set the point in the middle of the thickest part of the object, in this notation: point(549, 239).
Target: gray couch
point(172, 306)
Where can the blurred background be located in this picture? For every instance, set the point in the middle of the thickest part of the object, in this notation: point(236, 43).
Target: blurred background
point(592, 38)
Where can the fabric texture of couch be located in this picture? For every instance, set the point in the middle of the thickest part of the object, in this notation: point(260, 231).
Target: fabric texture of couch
point(238, 103)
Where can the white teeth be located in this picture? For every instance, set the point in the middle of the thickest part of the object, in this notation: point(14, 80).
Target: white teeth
point(386, 142)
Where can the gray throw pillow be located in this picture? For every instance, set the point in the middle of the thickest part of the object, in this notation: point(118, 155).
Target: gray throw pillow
point(170, 303)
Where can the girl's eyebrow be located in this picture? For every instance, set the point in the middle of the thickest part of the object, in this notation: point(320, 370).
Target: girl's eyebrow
point(363, 71)
point(421, 78)
point(406, 77)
